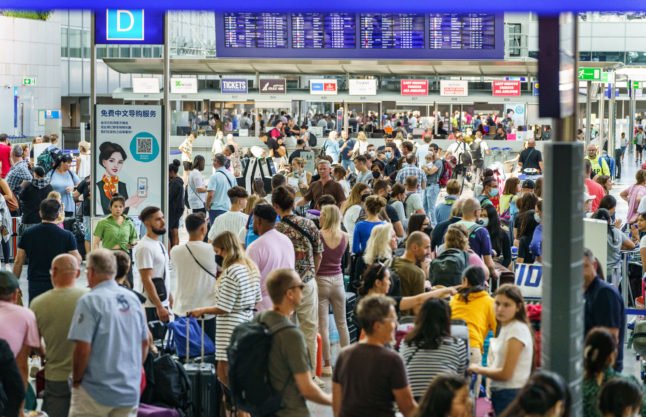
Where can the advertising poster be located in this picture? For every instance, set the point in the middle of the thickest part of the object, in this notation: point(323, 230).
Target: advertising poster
point(272, 86)
point(516, 111)
point(323, 87)
point(127, 157)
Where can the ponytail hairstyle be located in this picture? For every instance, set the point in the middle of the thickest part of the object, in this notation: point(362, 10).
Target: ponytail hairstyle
point(600, 344)
point(475, 277)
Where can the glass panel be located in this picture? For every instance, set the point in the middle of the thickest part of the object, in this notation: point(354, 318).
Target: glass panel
point(100, 52)
point(136, 52)
point(64, 43)
point(125, 52)
point(86, 44)
point(75, 43)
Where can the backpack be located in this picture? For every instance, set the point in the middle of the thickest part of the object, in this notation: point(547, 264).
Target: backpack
point(311, 139)
point(171, 385)
point(465, 156)
point(476, 150)
point(447, 268)
point(49, 158)
point(248, 355)
point(609, 161)
point(447, 172)
point(322, 153)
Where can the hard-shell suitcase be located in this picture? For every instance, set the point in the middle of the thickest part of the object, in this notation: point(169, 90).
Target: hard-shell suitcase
point(205, 391)
point(350, 307)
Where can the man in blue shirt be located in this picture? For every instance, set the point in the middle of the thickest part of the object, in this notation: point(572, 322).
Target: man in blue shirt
point(604, 307)
point(479, 239)
point(111, 342)
point(220, 182)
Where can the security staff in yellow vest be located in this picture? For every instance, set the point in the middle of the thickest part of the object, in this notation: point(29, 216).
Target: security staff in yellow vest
point(599, 166)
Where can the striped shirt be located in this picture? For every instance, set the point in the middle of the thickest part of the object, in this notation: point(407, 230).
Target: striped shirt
point(426, 364)
point(238, 293)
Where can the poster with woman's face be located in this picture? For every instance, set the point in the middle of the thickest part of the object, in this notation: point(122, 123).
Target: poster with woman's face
point(127, 157)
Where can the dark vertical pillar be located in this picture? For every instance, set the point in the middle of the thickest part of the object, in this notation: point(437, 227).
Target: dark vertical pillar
point(562, 322)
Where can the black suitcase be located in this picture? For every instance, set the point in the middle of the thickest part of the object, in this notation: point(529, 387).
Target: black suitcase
point(205, 391)
point(350, 308)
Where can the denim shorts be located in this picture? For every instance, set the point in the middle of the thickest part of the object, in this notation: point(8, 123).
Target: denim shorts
point(87, 222)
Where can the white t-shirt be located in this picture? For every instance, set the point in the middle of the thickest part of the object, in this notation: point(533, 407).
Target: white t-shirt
point(196, 199)
point(151, 254)
point(422, 150)
point(519, 331)
point(231, 221)
point(195, 288)
point(350, 219)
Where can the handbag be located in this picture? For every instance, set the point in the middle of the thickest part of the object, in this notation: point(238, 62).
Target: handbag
point(160, 283)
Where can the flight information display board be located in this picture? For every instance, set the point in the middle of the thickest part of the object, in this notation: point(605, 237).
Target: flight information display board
point(360, 36)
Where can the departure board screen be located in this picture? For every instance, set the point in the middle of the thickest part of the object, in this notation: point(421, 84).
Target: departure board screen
point(315, 35)
point(462, 31)
point(323, 31)
point(255, 30)
point(392, 31)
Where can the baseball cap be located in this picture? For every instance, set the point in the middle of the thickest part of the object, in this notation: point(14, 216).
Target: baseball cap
point(8, 282)
point(529, 184)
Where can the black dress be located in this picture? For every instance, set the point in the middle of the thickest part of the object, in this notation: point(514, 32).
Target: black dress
point(175, 202)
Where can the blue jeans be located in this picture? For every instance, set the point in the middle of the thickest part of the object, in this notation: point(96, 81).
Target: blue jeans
point(214, 214)
point(500, 399)
point(431, 193)
point(347, 164)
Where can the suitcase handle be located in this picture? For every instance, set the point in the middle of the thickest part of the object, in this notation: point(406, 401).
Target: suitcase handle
point(188, 325)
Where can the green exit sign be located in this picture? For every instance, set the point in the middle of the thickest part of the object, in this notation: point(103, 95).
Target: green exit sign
point(29, 81)
point(589, 74)
point(636, 85)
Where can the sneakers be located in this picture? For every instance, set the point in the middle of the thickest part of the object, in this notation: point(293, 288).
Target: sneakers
point(319, 382)
point(327, 371)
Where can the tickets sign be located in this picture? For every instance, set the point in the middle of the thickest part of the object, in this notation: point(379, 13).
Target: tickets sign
point(414, 87)
point(323, 87)
point(504, 88)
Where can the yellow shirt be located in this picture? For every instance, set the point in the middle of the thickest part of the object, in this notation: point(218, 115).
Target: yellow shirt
point(479, 315)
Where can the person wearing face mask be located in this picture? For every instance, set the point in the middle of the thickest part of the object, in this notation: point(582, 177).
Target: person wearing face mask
point(391, 161)
point(433, 169)
point(489, 189)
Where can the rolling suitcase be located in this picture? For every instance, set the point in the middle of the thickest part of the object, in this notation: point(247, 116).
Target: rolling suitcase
point(350, 307)
point(205, 392)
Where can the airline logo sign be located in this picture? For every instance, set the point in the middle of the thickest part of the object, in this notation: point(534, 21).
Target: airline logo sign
point(273, 86)
point(234, 86)
point(501, 88)
point(414, 87)
point(183, 85)
point(129, 26)
point(452, 88)
point(362, 88)
point(323, 87)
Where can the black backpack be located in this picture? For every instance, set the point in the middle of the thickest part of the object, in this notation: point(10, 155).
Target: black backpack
point(248, 356)
point(49, 158)
point(311, 139)
point(171, 384)
point(476, 150)
point(465, 156)
point(447, 268)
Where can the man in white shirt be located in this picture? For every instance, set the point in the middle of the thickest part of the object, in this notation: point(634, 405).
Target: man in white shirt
point(272, 250)
point(233, 220)
point(422, 149)
point(152, 261)
point(196, 269)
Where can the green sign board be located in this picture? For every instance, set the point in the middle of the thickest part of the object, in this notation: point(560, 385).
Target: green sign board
point(636, 85)
point(29, 81)
point(589, 74)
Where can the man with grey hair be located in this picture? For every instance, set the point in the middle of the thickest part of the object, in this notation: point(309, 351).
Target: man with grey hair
point(217, 200)
point(111, 341)
point(19, 172)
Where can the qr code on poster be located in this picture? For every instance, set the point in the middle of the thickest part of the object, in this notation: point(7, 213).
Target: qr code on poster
point(145, 146)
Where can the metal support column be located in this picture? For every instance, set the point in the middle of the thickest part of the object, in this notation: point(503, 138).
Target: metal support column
point(612, 116)
point(588, 113)
point(562, 318)
point(167, 122)
point(602, 112)
point(631, 112)
point(93, 143)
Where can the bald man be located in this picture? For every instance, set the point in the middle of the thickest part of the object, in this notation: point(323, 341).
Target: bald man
point(54, 310)
point(598, 164)
point(412, 277)
point(531, 158)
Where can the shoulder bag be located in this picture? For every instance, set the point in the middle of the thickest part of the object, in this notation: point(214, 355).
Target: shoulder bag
point(160, 283)
point(198, 262)
point(299, 230)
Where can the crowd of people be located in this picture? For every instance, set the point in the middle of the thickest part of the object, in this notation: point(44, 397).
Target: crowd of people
point(392, 235)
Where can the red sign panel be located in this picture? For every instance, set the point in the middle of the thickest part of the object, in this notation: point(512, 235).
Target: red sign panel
point(502, 88)
point(414, 87)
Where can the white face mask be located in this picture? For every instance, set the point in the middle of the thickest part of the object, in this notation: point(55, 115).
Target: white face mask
point(537, 218)
point(485, 221)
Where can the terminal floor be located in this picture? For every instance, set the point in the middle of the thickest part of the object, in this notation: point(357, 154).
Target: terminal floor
point(632, 366)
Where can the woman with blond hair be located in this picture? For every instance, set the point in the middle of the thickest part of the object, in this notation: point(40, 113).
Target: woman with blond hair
point(361, 146)
point(352, 207)
point(329, 279)
point(238, 291)
point(83, 160)
point(381, 244)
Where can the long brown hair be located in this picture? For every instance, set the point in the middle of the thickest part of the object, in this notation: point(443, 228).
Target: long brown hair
point(355, 196)
point(512, 292)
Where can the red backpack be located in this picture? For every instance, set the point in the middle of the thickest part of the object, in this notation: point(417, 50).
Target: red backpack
point(447, 173)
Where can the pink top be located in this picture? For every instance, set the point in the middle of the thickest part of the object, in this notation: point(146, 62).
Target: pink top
point(331, 260)
point(272, 250)
point(18, 327)
point(476, 260)
point(635, 194)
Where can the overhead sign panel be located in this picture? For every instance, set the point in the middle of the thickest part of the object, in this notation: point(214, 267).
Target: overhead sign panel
point(500, 88)
point(145, 85)
point(320, 35)
point(453, 88)
point(129, 26)
point(183, 85)
point(414, 87)
point(323, 87)
point(362, 88)
point(272, 86)
point(234, 86)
